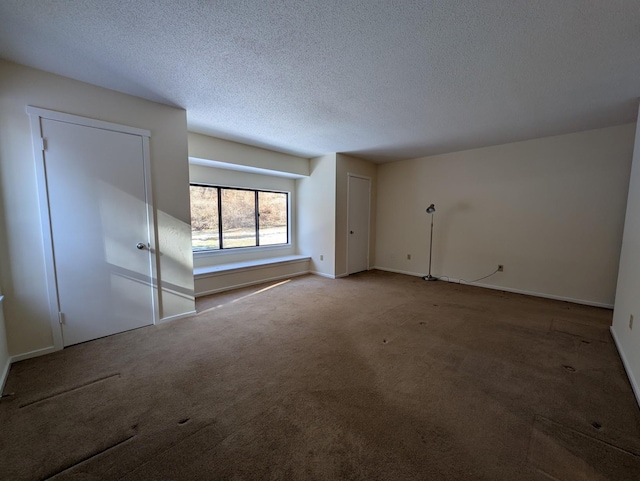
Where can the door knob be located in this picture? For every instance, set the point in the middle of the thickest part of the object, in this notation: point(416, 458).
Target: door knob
point(140, 245)
point(351, 232)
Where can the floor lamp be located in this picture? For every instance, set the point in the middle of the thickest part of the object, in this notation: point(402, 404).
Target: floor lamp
point(430, 210)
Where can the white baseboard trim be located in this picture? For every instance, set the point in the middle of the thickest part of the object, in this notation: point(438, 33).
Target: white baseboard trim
point(36, 353)
point(537, 294)
point(322, 274)
point(247, 284)
point(4, 375)
point(507, 289)
point(398, 271)
point(176, 317)
point(634, 384)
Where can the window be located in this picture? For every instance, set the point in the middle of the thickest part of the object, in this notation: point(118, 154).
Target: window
point(228, 218)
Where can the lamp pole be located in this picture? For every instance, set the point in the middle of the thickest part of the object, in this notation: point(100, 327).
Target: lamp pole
point(430, 210)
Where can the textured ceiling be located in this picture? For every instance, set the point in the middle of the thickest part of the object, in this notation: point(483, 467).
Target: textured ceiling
point(382, 80)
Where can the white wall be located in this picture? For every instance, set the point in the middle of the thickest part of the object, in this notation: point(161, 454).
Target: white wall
point(211, 148)
point(316, 216)
point(627, 294)
point(351, 165)
point(22, 270)
point(551, 210)
point(4, 350)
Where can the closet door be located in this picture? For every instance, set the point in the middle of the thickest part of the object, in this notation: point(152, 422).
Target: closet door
point(99, 229)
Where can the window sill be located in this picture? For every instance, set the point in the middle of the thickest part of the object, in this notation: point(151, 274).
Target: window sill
point(239, 250)
point(210, 271)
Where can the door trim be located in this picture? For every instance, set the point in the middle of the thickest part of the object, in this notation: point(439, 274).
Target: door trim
point(368, 179)
point(35, 116)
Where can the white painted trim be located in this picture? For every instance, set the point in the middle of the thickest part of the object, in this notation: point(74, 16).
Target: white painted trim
point(87, 122)
point(506, 289)
point(36, 353)
point(45, 222)
point(322, 274)
point(247, 284)
point(244, 168)
point(234, 251)
point(368, 179)
point(5, 370)
point(5, 375)
point(223, 269)
point(177, 316)
point(152, 231)
point(540, 294)
point(35, 116)
point(632, 380)
point(398, 271)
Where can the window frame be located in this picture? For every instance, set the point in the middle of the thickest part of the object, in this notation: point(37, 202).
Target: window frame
point(234, 250)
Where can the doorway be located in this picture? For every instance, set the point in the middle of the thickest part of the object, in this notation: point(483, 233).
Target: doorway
point(97, 217)
point(358, 211)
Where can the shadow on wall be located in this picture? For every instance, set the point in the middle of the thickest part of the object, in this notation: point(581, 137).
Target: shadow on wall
point(174, 255)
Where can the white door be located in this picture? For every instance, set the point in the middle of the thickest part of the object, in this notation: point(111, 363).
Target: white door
point(99, 229)
point(358, 224)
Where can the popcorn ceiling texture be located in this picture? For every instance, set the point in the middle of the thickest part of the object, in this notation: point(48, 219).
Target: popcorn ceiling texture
point(383, 80)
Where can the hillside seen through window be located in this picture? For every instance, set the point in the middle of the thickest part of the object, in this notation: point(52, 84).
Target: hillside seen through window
point(229, 218)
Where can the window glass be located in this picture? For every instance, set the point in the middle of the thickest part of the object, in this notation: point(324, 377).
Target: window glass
point(272, 208)
point(204, 218)
point(229, 218)
point(238, 218)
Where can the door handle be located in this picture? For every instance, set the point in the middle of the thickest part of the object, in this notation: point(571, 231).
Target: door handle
point(351, 232)
point(140, 245)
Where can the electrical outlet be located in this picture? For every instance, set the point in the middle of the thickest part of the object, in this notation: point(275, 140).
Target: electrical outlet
point(408, 257)
point(321, 257)
point(631, 321)
point(500, 268)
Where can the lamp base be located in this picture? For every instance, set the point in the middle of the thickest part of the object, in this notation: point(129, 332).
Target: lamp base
point(429, 278)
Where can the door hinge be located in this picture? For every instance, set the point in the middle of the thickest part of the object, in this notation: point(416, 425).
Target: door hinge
point(61, 317)
point(43, 144)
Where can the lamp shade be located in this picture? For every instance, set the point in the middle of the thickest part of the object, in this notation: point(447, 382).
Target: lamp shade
point(431, 209)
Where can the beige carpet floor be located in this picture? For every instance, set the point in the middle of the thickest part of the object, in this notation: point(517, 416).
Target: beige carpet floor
point(377, 376)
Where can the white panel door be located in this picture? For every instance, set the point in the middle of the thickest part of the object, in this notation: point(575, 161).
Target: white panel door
point(100, 229)
point(358, 220)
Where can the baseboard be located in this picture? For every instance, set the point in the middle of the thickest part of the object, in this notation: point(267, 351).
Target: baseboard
point(322, 274)
point(398, 271)
point(540, 294)
point(506, 289)
point(30, 354)
point(248, 284)
point(176, 317)
point(632, 380)
point(4, 375)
